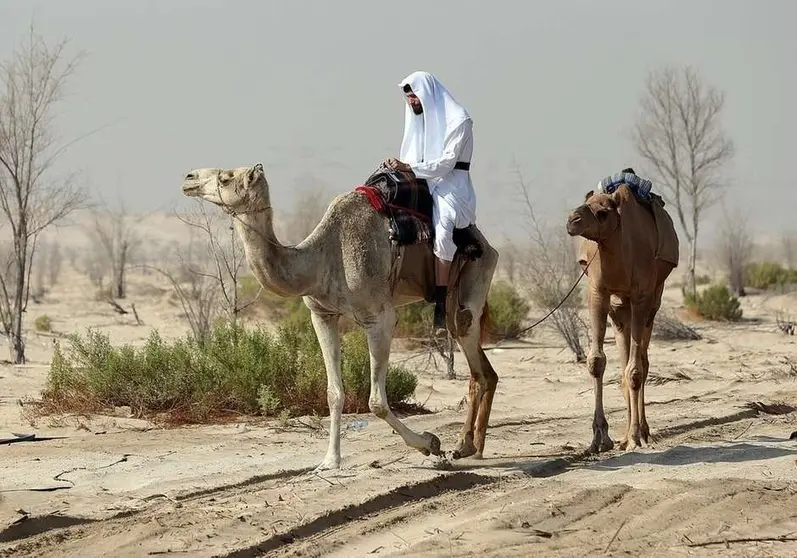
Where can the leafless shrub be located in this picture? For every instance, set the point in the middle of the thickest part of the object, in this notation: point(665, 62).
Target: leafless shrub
point(550, 270)
point(679, 134)
point(667, 327)
point(784, 323)
point(197, 293)
point(227, 259)
point(735, 248)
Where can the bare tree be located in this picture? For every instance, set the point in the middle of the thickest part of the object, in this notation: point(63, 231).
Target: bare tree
point(32, 82)
point(735, 247)
point(551, 270)
point(115, 232)
point(679, 134)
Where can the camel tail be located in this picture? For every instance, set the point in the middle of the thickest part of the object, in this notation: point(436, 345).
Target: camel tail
point(485, 325)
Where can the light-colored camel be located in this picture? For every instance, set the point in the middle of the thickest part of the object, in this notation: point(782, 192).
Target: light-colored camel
point(620, 244)
point(348, 266)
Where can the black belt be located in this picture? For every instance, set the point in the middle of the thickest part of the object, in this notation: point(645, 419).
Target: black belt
point(462, 165)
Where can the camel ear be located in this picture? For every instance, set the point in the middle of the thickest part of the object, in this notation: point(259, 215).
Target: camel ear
point(589, 195)
point(255, 172)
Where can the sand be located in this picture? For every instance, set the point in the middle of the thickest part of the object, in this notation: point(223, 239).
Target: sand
point(719, 471)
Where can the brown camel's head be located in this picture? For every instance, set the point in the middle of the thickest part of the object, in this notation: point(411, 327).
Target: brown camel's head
point(238, 190)
point(596, 219)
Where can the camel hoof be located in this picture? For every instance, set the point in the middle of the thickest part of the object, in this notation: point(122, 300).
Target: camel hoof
point(623, 444)
point(465, 449)
point(645, 432)
point(434, 444)
point(327, 465)
point(601, 446)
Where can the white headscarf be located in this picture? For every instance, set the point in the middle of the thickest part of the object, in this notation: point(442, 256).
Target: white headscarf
point(425, 134)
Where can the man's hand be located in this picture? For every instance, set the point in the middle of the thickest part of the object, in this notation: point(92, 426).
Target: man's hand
point(395, 164)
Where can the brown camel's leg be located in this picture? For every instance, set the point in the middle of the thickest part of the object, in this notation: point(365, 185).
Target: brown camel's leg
point(483, 382)
point(596, 364)
point(644, 429)
point(621, 317)
point(326, 330)
point(465, 446)
point(643, 422)
point(640, 313)
point(380, 333)
point(483, 418)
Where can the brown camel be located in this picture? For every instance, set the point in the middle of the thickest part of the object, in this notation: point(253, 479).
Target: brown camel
point(628, 249)
point(348, 266)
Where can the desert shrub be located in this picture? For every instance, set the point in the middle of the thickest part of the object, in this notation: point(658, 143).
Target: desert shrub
point(249, 371)
point(508, 310)
point(43, 323)
point(714, 303)
point(667, 327)
point(766, 275)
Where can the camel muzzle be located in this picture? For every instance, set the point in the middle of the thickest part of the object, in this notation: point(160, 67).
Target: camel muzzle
point(573, 225)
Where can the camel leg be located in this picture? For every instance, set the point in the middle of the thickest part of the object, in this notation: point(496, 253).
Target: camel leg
point(328, 334)
point(483, 382)
point(483, 418)
point(640, 312)
point(643, 422)
point(465, 446)
point(621, 317)
point(644, 429)
point(596, 364)
point(380, 333)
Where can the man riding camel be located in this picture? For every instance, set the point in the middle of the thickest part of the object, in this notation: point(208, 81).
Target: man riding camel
point(437, 146)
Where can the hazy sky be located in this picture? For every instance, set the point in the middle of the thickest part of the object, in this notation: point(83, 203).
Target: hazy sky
point(309, 88)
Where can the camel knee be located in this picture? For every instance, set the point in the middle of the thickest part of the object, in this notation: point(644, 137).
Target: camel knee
point(335, 400)
point(488, 381)
point(634, 377)
point(596, 364)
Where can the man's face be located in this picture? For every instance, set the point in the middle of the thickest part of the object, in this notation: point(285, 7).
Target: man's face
point(414, 102)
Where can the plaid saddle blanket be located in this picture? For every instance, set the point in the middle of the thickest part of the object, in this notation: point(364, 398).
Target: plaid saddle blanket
point(406, 200)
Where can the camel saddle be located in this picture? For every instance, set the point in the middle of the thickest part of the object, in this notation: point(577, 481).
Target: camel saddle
point(405, 199)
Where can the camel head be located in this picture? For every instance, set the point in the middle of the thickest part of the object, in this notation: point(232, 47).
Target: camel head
point(239, 190)
point(596, 219)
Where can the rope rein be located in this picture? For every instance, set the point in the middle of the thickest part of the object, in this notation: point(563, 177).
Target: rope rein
point(558, 306)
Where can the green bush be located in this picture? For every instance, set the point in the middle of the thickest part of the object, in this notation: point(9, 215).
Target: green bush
point(43, 323)
point(249, 371)
point(769, 274)
point(508, 310)
point(715, 303)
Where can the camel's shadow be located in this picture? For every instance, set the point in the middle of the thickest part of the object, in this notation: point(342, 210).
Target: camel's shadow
point(691, 455)
point(676, 456)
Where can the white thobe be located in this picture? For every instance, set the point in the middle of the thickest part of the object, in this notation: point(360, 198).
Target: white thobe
point(451, 189)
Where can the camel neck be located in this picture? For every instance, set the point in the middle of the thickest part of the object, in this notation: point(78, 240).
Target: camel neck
point(285, 270)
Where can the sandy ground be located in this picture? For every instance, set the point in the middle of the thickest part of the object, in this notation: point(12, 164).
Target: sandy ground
point(718, 473)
